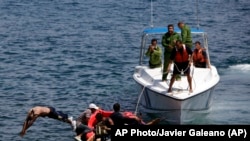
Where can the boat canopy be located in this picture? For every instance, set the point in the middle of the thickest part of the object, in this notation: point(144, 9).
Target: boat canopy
point(161, 30)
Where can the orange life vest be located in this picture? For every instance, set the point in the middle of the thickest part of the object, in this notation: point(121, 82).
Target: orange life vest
point(198, 56)
point(181, 56)
point(92, 120)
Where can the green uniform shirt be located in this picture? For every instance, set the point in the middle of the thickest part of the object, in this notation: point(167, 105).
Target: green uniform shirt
point(154, 57)
point(168, 39)
point(186, 36)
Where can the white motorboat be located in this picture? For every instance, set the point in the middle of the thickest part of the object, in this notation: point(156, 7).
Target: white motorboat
point(153, 93)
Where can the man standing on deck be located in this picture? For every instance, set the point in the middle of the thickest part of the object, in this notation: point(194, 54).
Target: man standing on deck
point(168, 42)
point(186, 36)
point(154, 53)
point(182, 59)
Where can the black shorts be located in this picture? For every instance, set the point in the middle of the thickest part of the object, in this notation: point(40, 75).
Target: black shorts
point(179, 67)
point(59, 115)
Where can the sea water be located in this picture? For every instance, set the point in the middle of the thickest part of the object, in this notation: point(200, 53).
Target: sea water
point(69, 53)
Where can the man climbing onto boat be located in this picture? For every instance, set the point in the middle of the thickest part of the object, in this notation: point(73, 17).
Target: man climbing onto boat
point(182, 59)
point(44, 111)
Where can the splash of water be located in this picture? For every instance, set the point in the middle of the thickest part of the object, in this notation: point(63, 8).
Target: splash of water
point(240, 67)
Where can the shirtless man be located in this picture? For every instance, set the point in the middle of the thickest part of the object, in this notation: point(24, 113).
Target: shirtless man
point(41, 111)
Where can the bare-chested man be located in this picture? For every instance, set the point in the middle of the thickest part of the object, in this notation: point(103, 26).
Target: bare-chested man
point(41, 111)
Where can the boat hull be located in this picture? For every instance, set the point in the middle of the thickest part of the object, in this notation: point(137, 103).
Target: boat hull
point(175, 111)
point(180, 106)
point(157, 101)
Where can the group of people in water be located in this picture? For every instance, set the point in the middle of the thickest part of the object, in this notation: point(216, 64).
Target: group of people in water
point(177, 50)
point(93, 123)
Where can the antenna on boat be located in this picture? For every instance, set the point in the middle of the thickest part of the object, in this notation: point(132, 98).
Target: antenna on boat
point(152, 25)
point(197, 11)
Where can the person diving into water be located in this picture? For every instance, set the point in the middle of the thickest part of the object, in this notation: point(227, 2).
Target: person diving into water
point(45, 111)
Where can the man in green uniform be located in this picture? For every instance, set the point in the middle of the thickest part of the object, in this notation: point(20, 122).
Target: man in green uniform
point(185, 34)
point(154, 53)
point(168, 42)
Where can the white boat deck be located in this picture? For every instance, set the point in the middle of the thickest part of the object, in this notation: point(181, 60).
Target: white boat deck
point(201, 81)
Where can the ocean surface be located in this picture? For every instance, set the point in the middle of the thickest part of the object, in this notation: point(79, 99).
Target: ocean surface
point(69, 53)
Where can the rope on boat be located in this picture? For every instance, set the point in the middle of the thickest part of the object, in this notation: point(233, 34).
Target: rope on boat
point(182, 72)
point(138, 101)
point(192, 73)
point(139, 98)
point(193, 79)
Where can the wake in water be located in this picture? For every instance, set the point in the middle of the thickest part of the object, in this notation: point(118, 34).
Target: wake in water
point(245, 68)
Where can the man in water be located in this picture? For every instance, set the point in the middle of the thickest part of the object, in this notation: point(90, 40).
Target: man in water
point(82, 122)
point(44, 111)
point(123, 118)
